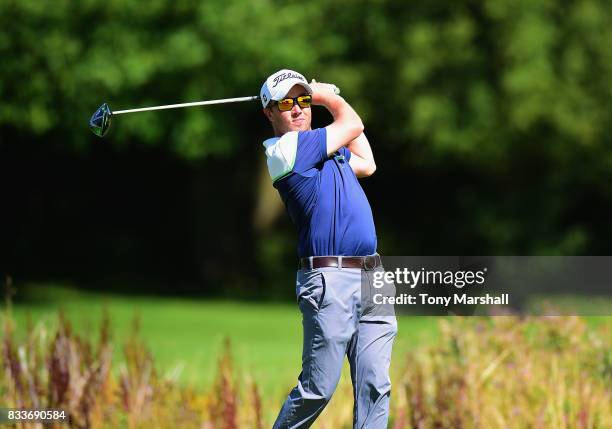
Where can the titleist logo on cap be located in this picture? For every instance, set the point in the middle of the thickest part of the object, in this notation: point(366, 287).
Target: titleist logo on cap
point(281, 77)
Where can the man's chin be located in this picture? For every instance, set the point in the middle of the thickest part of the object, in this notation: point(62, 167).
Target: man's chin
point(296, 127)
point(300, 127)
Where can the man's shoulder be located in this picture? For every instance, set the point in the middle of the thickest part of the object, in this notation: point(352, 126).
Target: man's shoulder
point(290, 135)
point(280, 154)
point(295, 150)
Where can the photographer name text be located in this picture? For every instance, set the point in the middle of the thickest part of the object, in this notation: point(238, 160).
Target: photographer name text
point(455, 299)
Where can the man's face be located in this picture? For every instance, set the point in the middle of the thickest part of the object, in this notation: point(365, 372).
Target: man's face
point(296, 119)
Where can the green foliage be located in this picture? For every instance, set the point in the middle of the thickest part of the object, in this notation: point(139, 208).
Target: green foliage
point(463, 78)
point(59, 64)
point(501, 108)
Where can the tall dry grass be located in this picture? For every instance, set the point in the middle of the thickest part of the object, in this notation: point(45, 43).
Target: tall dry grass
point(64, 370)
point(501, 372)
point(511, 373)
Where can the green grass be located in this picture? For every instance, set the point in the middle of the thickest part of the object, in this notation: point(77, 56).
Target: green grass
point(186, 335)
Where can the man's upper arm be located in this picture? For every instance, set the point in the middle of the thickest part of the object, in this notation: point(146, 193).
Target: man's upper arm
point(361, 167)
point(362, 162)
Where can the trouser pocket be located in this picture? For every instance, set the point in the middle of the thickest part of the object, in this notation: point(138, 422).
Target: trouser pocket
point(310, 289)
point(377, 292)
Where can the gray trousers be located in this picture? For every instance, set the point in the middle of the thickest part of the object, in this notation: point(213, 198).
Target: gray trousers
point(337, 321)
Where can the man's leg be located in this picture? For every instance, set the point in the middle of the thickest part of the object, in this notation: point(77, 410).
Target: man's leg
point(369, 354)
point(327, 299)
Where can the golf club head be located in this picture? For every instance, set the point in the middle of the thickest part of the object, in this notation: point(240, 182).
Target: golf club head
point(100, 120)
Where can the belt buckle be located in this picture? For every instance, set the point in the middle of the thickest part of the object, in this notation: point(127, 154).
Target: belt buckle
point(366, 264)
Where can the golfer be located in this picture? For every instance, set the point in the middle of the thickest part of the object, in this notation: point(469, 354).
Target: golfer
point(315, 173)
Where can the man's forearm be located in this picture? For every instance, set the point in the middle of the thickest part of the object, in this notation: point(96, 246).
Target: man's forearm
point(347, 124)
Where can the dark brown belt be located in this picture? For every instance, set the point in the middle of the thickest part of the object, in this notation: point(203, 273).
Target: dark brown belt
point(369, 262)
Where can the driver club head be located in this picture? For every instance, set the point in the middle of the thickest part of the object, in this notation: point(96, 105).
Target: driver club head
point(100, 120)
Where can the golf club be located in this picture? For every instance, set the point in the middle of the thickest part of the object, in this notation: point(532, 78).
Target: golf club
point(101, 119)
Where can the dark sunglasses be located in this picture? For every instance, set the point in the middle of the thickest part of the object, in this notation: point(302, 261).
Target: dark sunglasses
point(286, 104)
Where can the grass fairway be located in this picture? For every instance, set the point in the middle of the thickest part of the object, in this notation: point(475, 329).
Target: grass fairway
point(186, 336)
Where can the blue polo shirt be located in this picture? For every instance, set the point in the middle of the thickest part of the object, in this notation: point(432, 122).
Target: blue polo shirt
point(325, 200)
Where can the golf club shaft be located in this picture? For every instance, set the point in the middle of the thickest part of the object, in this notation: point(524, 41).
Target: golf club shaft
point(197, 103)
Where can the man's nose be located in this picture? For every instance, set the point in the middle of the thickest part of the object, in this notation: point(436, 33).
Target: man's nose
point(296, 109)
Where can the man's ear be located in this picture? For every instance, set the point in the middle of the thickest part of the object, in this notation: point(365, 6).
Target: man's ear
point(268, 113)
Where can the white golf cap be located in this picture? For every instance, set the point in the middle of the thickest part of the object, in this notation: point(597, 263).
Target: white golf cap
point(278, 84)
